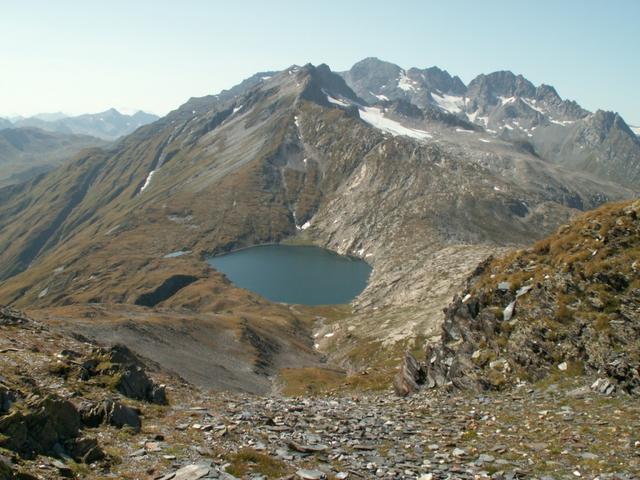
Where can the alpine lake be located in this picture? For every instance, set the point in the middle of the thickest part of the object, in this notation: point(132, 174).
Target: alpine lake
point(306, 275)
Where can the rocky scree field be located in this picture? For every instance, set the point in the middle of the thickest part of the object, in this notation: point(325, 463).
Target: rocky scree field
point(71, 408)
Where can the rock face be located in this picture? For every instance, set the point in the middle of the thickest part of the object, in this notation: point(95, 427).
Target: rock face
point(129, 372)
point(410, 376)
point(45, 423)
point(567, 306)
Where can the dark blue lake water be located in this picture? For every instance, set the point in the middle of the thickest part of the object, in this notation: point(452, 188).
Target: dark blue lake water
point(295, 274)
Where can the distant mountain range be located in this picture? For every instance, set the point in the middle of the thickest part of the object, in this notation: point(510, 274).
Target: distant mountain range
point(27, 152)
point(107, 125)
point(37, 144)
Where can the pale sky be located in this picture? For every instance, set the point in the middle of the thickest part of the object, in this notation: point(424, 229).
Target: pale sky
point(87, 56)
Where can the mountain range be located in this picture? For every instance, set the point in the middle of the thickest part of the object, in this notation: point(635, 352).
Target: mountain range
point(412, 170)
point(27, 152)
point(107, 125)
point(510, 107)
point(34, 145)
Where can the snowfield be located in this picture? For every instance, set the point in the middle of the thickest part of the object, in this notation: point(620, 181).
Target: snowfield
point(374, 116)
point(147, 181)
point(449, 103)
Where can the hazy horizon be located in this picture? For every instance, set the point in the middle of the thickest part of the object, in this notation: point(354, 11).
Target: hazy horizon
point(87, 58)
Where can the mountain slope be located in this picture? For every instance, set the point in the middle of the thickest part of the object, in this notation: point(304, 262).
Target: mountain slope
point(568, 305)
point(252, 166)
point(27, 152)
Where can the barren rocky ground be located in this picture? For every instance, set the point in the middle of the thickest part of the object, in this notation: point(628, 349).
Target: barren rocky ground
point(559, 428)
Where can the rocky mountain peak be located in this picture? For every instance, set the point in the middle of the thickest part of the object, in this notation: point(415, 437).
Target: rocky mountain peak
point(606, 121)
point(546, 93)
point(439, 80)
point(323, 82)
point(373, 69)
point(501, 83)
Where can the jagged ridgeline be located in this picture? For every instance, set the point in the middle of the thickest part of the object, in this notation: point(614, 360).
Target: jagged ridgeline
point(413, 171)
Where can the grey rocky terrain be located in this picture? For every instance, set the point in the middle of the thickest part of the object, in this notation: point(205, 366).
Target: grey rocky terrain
point(100, 412)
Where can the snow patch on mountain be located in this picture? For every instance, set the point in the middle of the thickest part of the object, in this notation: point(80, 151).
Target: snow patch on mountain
point(405, 83)
point(507, 100)
point(564, 123)
point(375, 117)
point(384, 98)
point(531, 103)
point(147, 181)
point(449, 103)
point(337, 101)
point(635, 130)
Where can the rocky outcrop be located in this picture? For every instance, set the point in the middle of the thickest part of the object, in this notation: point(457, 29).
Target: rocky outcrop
point(410, 376)
point(49, 425)
point(570, 305)
point(127, 371)
point(10, 316)
point(111, 412)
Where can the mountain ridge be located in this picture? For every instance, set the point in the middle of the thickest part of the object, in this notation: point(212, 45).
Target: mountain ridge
point(27, 152)
point(509, 106)
point(107, 125)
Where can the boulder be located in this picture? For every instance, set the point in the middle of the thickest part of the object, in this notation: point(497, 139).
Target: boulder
point(604, 386)
point(190, 472)
point(112, 412)
point(410, 376)
point(86, 450)
point(40, 425)
point(7, 397)
point(134, 383)
point(120, 415)
point(92, 414)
